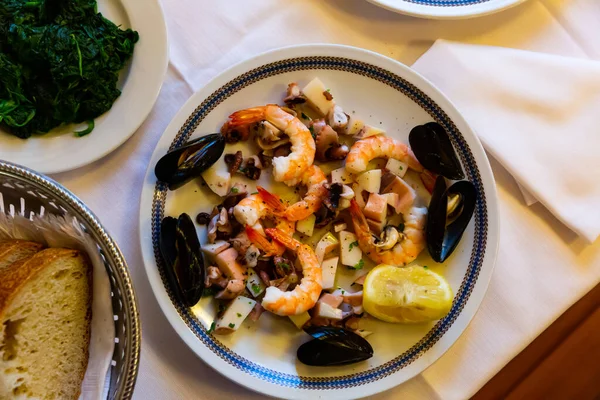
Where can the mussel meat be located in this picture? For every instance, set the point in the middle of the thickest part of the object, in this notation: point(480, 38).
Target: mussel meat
point(333, 346)
point(184, 265)
point(447, 221)
point(182, 164)
point(433, 149)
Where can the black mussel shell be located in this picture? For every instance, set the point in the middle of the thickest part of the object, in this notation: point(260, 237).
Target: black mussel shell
point(180, 249)
point(443, 237)
point(168, 250)
point(181, 165)
point(433, 149)
point(333, 346)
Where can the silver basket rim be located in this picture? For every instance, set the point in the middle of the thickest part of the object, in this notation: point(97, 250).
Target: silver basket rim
point(114, 257)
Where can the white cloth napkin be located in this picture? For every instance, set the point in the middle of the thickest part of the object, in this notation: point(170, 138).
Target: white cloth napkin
point(535, 113)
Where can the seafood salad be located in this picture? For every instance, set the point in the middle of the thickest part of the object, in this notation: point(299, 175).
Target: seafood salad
point(319, 223)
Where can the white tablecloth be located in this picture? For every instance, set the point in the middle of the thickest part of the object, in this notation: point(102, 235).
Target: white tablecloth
point(542, 267)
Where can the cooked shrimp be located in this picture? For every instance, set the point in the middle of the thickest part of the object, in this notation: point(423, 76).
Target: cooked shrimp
point(303, 145)
point(256, 207)
point(269, 248)
point(315, 180)
point(250, 210)
point(379, 146)
point(305, 295)
point(411, 241)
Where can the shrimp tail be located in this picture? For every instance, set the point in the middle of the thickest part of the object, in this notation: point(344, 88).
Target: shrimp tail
point(247, 116)
point(270, 249)
point(272, 201)
point(358, 218)
point(283, 238)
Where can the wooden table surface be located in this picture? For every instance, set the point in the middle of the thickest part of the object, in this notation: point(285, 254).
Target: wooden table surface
point(562, 363)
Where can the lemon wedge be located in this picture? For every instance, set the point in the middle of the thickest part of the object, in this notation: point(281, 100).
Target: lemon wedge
point(406, 295)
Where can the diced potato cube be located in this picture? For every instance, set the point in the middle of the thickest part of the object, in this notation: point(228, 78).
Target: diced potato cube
point(376, 226)
point(212, 249)
point(376, 207)
point(327, 243)
point(314, 92)
point(396, 167)
point(359, 195)
point(324, 310)
point(301, 319)
point(354, 126)
point(354, 299)
point(340, 226)
point(218, 179)
point(307, 225)
point(350, 253)
point(332, 300)
point(393, 200)
point(234, 315)
point(341, 175)
point(406, 194)
point(370, 181)
point(328, 270)
point(255, 285)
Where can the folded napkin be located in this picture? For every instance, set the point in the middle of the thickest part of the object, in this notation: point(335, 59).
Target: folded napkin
point(537, 114)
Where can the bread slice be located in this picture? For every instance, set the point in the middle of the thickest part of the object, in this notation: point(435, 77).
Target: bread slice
point(15, 250)
point(45, 315)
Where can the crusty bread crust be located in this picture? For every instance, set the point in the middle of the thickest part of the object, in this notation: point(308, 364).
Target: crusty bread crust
point(15, 250)
point(18, 274)
point(14, 277)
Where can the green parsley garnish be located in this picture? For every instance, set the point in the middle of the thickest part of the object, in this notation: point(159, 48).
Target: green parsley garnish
point(285, 266)
point(239, 315)
point(255, 288)
point(312, 132)
point(359, 265)
point(352, 245)
point(232, 326)
point(425, 267)
point(401, 227)
point(234, 190)
point(306, 117)
point(254, 193)
point(212, 328)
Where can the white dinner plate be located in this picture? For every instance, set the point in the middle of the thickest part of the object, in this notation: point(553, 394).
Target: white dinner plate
point(60, 150)
point(385, 93)
point(446, 9)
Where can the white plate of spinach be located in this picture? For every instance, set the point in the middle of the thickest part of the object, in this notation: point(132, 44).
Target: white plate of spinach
point(77, 78)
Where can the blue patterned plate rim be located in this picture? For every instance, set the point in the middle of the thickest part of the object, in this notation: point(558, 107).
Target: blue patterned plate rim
point(446, 9)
